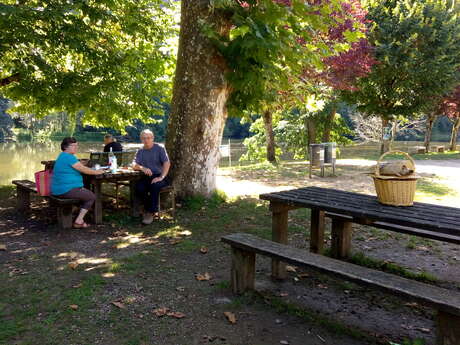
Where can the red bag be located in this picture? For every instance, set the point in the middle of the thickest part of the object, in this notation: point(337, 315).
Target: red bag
point(43, 182)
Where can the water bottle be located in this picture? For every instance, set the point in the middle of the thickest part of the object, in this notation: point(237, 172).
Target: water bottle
point(113, 162)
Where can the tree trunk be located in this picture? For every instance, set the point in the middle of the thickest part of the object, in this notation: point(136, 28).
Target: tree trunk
point(269, 135)
point(454, 134)
point(429, 130)
point(328, 126)
point(311, 130)
point(384, 143)
point(198, 108)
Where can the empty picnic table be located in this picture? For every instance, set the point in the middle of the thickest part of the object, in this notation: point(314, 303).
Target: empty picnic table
point(422, 219)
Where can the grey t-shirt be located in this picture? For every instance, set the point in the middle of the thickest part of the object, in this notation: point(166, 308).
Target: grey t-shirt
point(152, 158)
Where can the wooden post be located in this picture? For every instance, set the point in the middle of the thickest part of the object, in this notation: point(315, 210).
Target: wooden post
point(448, 329)
point(98, 203)
point(134, 199)
point(243, 270)
point(316, 231)
point(341, 238)
point(23, 198)
point(280, 235)
point(64, 216)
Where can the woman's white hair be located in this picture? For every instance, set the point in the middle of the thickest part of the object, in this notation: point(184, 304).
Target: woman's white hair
point(146, 132)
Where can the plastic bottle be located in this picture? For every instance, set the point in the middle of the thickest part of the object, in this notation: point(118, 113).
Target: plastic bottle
point(113, 162)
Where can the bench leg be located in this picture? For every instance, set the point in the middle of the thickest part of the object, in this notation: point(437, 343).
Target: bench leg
point(448, 330)
point(98, 203)
point(64, 216)
point(280, 235)
point(23, 199)
point(341, 238)
point(243, 270)
point(134, 199)
point(317, 231)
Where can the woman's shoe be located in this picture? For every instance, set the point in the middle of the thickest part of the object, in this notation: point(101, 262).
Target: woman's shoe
point(147, 219)
point(80, 226)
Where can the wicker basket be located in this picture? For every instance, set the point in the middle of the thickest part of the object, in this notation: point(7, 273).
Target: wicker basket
point(395, 190)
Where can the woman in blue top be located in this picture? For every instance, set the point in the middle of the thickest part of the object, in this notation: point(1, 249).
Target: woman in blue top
point(67, 181)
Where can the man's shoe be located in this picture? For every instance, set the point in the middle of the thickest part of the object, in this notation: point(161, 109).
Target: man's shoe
point(148, 218)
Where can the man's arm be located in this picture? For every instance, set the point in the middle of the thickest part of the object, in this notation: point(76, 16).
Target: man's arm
point(164, 172)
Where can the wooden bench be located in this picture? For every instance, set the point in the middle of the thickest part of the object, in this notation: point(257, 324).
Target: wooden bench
point(63, 206)
point(341, 233)
point(446, 302)
point(418, 150)
point(437, 148)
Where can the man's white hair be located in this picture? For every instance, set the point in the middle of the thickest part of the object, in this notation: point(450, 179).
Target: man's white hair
point(146, 132)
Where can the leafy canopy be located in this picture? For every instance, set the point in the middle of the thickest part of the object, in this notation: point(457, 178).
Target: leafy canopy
point(417, 46)
point(106, 57)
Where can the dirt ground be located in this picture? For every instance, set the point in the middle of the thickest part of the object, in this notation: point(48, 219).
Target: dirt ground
point(106, 285)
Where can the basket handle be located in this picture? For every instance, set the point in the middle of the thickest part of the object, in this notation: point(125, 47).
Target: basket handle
point(377, 169)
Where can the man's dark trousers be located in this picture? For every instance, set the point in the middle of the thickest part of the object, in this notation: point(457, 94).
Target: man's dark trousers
point(149, 192)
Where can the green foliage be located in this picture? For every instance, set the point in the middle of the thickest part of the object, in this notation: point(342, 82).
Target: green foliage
point(291, 134)
point(270, 45)
point(417, 45)
point(107, 57)
point(198, 202)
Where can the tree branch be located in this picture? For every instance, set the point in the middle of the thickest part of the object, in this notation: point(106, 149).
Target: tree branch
point(11, 79)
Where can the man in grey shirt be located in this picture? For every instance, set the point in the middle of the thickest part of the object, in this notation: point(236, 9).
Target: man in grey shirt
point(153, 161)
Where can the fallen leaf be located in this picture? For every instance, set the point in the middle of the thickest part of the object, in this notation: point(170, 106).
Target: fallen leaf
point(180, 288)
point(303, 275)
point(202, 277)
point(73, 306)
point(185, 233)
point(291, 269)
point(284, 342)
point(412, 305)
point(2, 246)
point(119, 305)
point(73, 265)
point(77, 286)
point(283, 294)
point(203, 250)
point(175, 241)
point(176, 314)
point(321, 286)
point(160, 311)
point(230, 317)
point(424, 330)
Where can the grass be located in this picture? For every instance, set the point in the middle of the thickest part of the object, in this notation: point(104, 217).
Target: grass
point(433, 188)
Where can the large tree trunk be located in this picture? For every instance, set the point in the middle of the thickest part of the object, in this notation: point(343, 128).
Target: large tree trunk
point(269, 135)
point(311, 130)
point(454, 134)
point(198, 110)
point(429, 130)
point(328, 126)
point(384, 143)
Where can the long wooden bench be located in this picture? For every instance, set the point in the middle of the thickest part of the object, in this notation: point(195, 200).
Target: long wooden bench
point(446, 302)
point(341, 239)
point(63, 206)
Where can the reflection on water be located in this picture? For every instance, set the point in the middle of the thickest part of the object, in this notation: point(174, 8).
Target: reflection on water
point(19, 161)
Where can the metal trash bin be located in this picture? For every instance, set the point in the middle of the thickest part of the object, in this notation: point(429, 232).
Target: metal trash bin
point(329, 153)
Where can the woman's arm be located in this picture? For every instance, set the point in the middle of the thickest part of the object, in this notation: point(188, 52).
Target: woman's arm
point(85, 170)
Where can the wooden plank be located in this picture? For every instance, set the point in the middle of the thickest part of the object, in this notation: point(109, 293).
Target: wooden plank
point(445, 300)
point(64, 216)
point(280, 235)
point(317, 231)
point(341, 232)
point(448, 329)
point(243, 270)
point(134, 199)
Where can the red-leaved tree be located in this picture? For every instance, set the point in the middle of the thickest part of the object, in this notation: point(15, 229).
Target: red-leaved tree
point(450, 107)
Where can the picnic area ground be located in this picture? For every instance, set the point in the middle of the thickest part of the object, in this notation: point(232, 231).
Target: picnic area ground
point(111, 284)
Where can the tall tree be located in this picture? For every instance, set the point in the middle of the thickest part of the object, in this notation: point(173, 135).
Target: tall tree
point(417, 47)
point(107, 57)
point(219, 64)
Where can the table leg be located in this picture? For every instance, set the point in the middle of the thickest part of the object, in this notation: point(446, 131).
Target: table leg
point(98, 203)
point(317, 231)
point(280, 235)
point(341, 238)
point(134, 199)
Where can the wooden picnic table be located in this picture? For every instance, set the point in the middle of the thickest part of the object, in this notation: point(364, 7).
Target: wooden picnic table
point(95, 182)
point(422, 219)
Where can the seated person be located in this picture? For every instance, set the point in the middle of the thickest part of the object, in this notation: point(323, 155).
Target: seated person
point(153, 161)
point(67, 181)
point(111, 143)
